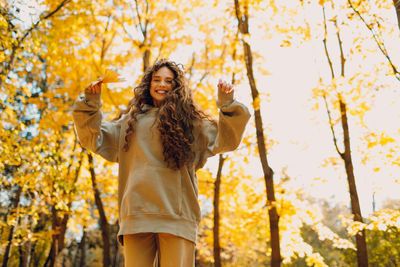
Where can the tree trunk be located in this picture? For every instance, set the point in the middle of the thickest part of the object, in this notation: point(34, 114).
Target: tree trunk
point(26, 248)
point(362, 256)
point(243, 24)
point(115, 242)
point(104, 226)
point(217, 187)
point(82, 248)
point(51, 259)
point(396, 4)
point(146, 59)
point(14, 205)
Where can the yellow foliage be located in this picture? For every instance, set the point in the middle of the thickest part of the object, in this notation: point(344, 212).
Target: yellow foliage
point(111, 76)
point(256, 103)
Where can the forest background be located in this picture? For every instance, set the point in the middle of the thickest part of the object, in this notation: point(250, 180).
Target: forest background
point(320, 78)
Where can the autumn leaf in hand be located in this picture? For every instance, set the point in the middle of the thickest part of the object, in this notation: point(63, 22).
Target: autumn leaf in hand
point(111, 76)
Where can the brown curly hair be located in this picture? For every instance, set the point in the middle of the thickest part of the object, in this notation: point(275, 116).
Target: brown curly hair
point(176, 116)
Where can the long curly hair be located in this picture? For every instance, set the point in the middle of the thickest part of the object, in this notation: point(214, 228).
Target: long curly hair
point(176, 116)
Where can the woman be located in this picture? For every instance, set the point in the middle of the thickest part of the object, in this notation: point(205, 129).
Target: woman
point(159, 142)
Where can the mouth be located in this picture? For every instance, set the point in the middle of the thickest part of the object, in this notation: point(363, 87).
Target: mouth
point(161, 92)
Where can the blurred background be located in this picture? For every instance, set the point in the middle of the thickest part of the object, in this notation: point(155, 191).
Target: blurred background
point(321, 79)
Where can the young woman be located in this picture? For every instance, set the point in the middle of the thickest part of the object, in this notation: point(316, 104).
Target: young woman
point(159, 142)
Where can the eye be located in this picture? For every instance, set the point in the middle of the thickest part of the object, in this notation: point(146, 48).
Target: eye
point(169, 81)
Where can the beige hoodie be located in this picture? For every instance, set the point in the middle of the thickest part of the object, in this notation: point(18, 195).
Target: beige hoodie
point(151, 196)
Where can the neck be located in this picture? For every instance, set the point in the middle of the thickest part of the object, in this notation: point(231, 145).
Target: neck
point(157, 103)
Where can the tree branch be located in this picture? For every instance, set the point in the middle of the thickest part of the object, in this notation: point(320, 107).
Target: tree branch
point(326, 46)
point(333, 76)
point(341, 154)
point(340, 43)
point(142, 28)
point(381, 45)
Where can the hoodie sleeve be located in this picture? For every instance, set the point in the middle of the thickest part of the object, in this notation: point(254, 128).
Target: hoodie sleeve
point(95, 134)
point(226, 134)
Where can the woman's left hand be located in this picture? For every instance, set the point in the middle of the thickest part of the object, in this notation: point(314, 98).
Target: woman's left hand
point(225, 93)
point(225, 87)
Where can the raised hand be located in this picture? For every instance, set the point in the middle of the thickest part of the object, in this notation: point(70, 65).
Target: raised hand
point(225, 87)
point(225, 93)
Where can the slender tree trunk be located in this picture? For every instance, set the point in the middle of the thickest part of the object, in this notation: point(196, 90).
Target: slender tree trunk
point(146, 59)
point(51, 259)
point(82, 249)
point(26, 248)
point(104, 226)
point(217, 187)
point(243, 24)
point(396, 4)
point(362, 256)
point(361, 243)
point(14, 205)
point(116, 254)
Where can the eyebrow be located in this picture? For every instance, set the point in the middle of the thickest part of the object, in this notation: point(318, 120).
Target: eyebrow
point(157, 76)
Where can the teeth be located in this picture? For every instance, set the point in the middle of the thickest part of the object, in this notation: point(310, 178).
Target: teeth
point(161, 92)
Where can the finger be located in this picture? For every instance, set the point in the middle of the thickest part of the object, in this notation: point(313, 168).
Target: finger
point(89, 88)
point(227, 87)
point(219, 83)
point(97, 87)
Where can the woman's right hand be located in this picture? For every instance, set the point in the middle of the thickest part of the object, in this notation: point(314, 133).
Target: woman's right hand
point(94, 88)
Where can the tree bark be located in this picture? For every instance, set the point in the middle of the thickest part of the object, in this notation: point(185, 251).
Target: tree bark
point(26, 248)
point(396, 4)
point(82, 247)
point(146, 59)
point(243, 25)
point(361, 243)
point(104, 226)
point(51, 259)
point(217, 187)
point(14, 205)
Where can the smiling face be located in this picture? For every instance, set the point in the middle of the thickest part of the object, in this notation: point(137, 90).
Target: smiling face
point(162, 82)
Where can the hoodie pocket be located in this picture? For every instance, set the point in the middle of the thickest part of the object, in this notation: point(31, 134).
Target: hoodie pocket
point(153, 190)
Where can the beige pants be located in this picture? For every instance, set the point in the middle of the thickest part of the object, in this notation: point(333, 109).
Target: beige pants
point(158, 249)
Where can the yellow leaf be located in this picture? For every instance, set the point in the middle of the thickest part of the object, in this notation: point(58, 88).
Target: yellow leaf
point(256, 103)
point(111, 76)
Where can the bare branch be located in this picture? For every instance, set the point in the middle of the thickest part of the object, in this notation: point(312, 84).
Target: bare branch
point(333, 76)
point(341, 154)
point(142, 28)
point(135, 42)
point(207, 71)
point(190, 69)
point(381, 45)
point(326, 46)
point(340, 43)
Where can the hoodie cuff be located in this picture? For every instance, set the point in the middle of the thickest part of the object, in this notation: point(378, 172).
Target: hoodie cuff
point(92, 100)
